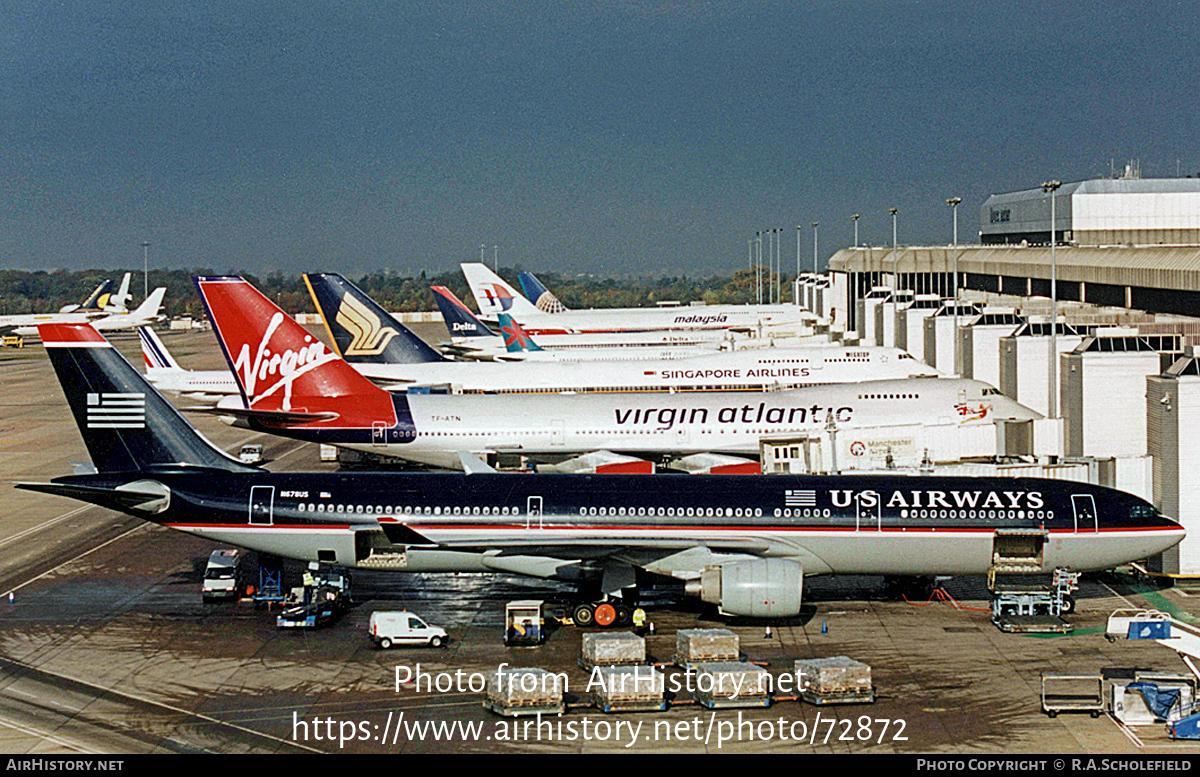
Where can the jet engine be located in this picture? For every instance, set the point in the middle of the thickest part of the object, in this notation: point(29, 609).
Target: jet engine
point(757, 588)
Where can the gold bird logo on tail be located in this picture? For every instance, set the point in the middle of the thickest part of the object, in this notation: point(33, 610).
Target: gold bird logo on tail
point(370, 337)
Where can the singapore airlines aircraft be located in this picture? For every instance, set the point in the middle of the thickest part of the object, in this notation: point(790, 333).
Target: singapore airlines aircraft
point(745, 545)
point(292, 386)
point(388, 353)
point(494, 296)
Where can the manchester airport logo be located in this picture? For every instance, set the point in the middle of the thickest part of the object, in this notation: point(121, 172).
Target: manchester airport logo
point(369, 336)
point(116, 411)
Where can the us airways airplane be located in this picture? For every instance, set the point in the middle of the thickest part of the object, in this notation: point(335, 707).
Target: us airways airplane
point(494, 295)
point(292, 386)
point(745, 545)
point(390, 354)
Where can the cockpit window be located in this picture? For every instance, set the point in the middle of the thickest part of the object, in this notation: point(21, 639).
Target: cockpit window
point(1142, 511)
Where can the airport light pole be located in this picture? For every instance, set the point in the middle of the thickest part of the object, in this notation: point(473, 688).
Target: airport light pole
point(145, 269)
point(758, 266)
point(1050, 187)
point(953, 203)
point(797, 252)
point(496, 258)
point(854, 218)
point(895, 249)
point(815, 223)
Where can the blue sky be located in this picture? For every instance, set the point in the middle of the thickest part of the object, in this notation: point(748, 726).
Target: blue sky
point(603, 137)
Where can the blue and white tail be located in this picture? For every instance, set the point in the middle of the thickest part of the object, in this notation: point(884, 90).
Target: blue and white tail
point(126, 425)
point(541, 296)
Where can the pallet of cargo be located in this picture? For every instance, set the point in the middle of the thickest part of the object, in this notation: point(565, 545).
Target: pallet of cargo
point(835, 680)
point(612, 649)
point(732, 684)
point(517, 710)
point(629, 689)
point(517, 691)
point(696, 646)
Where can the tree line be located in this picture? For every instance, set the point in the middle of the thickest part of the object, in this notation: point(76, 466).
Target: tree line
point(23, 291)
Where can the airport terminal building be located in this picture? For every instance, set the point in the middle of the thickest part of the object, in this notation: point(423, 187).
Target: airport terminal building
point(1126, 258)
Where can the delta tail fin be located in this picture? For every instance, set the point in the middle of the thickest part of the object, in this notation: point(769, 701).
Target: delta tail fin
point(542, 297)
point(280, 367)
point(492, 293)
point(460, 321)
point(126, 425)
point(516, 339)
point(361, 330)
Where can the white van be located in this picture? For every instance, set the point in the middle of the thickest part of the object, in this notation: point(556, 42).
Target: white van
point(222, 575)
point(251, 453)
point(404, 628)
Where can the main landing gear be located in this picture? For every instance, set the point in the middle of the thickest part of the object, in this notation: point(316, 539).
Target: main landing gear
point(607, 614)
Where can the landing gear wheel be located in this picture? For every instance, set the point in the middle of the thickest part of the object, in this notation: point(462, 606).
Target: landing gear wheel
point(606, 615)
point(583, 615)
point(624, 615)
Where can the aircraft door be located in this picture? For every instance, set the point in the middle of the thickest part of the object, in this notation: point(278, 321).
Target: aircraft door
point(1086, 516)
point(557, 432)
point(379, 434)
point(262, 505)
point(533, 512)
point(870, 512)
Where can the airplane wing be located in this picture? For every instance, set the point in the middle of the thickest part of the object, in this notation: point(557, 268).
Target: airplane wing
point(264, 416)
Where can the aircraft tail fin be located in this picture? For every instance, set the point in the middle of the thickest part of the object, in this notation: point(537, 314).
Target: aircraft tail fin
point(492, 293)
point(541, 296)
point(126, 425)
point(460, 321)
point(119, 302)
point(361, 330)
point(154, 353)
point(280, 366)
point(516, 339)
point(97, 300)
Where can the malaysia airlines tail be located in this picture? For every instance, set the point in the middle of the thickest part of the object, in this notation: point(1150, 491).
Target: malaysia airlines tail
point(287, 377)
point(361, 330)
point(493, 295)
point(516, 339)
point(460, 321)
point(541, 296)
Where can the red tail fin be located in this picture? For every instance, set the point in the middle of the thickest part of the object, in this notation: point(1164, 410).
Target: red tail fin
point(279, 365)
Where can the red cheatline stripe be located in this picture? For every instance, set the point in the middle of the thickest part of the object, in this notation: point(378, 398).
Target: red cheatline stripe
point(756, 529)
point(71, 336)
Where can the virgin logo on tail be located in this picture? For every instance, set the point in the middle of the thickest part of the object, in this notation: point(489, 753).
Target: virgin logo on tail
point(277, 369)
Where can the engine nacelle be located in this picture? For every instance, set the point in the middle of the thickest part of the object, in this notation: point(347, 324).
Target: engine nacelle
point(758, 588)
